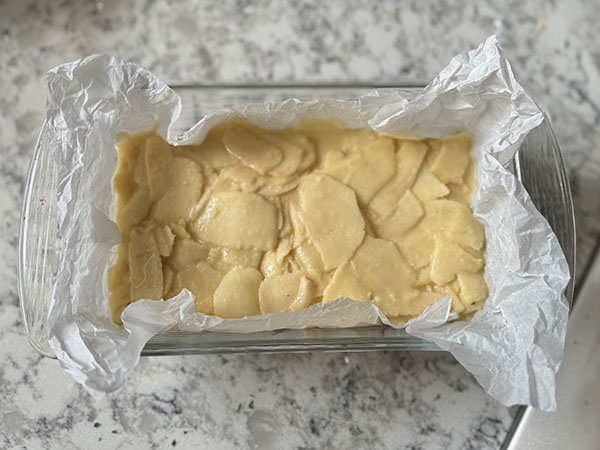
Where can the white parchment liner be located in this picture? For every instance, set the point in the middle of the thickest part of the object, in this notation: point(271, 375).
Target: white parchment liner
point(513, 346)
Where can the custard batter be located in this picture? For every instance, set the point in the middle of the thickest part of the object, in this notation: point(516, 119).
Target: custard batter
point(255, 221)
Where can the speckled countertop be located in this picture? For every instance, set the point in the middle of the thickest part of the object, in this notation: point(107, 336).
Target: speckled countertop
point(363, 400)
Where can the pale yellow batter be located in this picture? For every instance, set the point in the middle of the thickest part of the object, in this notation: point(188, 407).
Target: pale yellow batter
point(254, 221)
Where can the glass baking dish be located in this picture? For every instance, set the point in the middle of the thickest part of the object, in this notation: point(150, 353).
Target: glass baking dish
point(538, 165)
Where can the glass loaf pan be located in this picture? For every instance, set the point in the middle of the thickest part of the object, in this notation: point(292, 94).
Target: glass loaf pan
point(538, 165)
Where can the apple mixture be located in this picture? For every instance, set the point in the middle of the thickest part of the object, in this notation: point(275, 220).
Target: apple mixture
point(255, 221)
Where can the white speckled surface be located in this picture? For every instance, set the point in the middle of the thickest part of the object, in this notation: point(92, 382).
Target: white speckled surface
point(367, 400)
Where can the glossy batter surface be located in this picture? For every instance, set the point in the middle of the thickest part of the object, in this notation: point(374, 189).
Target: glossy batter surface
point(254, 221)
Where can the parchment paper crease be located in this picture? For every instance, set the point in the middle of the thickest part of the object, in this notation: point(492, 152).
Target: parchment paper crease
point(513, 346)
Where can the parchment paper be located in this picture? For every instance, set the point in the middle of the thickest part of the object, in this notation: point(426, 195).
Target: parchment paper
point(513, 346)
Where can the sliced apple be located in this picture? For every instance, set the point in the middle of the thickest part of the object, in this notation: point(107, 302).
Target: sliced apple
point(288, 292)
point(450, 291)
point(273, 186)
point(307, 291)
point(175, 183)
point(417, 246)
point(284, 247)
point(310, 261)
point(168, 280)
point(459, 193)
point(297, 222)
point(187, 252)
point(309, 155)
point(470, 180)
point(225, 258)
point(251, 150)
point(455, 220)
point(346, 283)
point(453, 158)
point(134, 211)
point(145, 266)
point(332, 218)
point(179, 230)
point(237, 294)
point(244, 178)
point(473, 288)
point(427, 187)
point(213, 151)
point(201, 280)
point(423, 276)
point(181, 195)
point(140, 172)
point(384, 271)
point(339, 165)
point(292, 153)
point(409, 158)
point(375, 169)
point(238, 219)
point(269, 266)
point(449, 259)
point(417, 301)
point(408, 212)
point(164, 239)
point(158, 160)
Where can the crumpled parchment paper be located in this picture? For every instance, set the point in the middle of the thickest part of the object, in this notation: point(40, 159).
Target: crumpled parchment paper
point(513, 346)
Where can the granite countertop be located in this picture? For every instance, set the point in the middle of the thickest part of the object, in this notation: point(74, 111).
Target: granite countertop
point(319, 400)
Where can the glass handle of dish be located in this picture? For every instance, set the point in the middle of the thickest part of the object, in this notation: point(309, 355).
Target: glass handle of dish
point(542, 171)
point(39, 245)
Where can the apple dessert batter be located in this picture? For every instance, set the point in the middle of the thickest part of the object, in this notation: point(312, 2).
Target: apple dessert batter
point(255, 221)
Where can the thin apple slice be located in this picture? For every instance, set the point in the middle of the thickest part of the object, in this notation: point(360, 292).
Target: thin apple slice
point(145, 266)
point(373, 170)
point(408, 212)
point(332, 218)
point(367, 170)
point(237, 294)
point(346, 283)
point(409, 158)
point(455, 220)
point(449, 259)
point(427, 187)
point(386, 274)
point(243, 177)
point(251, 150)
point(201, 280)
point(132, 213)
point(453, 158)
point(292, 153)
point(158, 160)
point(288, 292)
point(226, 258)
point(164, 239)
point(423, 276)
point(168, 281)
point(175, 183)
point(310, 259)
point(212, 150)
point(187, 252)
point(309, 155)
point(473, 289)
point(238, 219)
point(182, 194)
point(415, 303)
point(417, 246)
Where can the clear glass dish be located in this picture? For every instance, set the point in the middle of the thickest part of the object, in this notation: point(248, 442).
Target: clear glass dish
point(538, 165)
